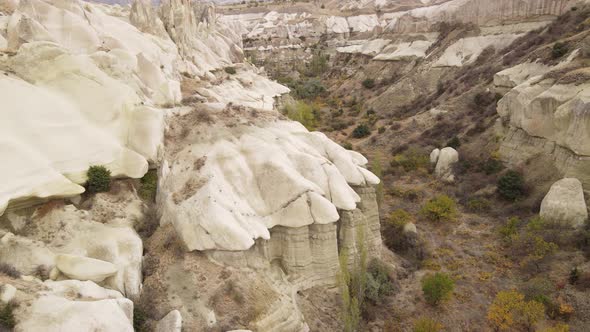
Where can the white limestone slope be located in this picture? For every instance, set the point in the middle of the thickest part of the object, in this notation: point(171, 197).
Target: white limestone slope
point(75, 306)
point(252, 179)
point(81, 88)
point(466, 50)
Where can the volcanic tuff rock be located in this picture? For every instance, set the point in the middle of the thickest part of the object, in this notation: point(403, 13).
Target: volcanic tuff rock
point(445, 161)
point(86, 87)
point(564, 204)
point(546, 112)
point(71, 305)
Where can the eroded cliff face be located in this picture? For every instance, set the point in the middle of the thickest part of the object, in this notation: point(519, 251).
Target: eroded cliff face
point(546, 113)
point(243, 194)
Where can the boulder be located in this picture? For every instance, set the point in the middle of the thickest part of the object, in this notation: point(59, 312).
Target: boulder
point(172, 322)
point(85, 268)
point(434, 156)
point(7, 293)
point(410, 228)
point(444, 166)
point(564, 204)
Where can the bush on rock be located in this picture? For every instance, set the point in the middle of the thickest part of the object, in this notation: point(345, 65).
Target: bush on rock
point(99, 179)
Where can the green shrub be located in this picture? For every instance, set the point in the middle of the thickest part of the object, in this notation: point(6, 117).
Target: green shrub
point(302, 112)
point(7, 317)
point(440, 208)
point(437, 288)
point(510, 228)
point(492, 166)
point(454, 143)
point(411, 160)
point(149, 186)
point(379, 283)
point(530, 249)
point(139, 319)
point(400, 217)
point(369, 83)
point(559, 50)
point(478, 205)
point(361, 131)
point(347, 145)
point(425, 324)
point(538, 289)
point(381, 130)
point(511, 186)
point(574, 275)
point(318, 64)
point(307, 89)
point(230, 70)
point(99, 179)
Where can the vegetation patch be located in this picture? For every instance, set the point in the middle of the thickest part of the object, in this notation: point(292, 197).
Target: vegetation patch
point(99, 179)
point(510, 311)
point(7, 317)
point(511, 186)
point(230, 70)
point(559, 49)
point(440, 208)
point(411, 160)
point(437, 288)
point(425, 324)
point(361, 131)
point(302, 112)
point(369, 83)
point(149, 186)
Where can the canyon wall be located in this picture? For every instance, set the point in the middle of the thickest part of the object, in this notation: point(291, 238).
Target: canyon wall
point(166, 88)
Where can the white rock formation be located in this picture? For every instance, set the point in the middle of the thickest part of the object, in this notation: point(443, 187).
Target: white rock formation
point(75, 306)
point(24, 254)
point(84, 268)
point(253, 179)
point(372, 47)
point(479, 12)
point(447, 158)
point(86, 87)
point(434, 156)
point(466, 50)
point(410, 228)
point(564, 204)
point(72, 231)
point(405, 50)
point(543, 117)
point(7, 293)
point(97, 82)
point(172, 322)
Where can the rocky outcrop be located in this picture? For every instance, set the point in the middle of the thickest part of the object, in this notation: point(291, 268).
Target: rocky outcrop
point(100, 84)
point(445, 161)
point(248, 180)
point(546, 114)
point(172, 322)
point(564, 204)
point(99, 244)
point(479, 12)
point(234, 182)
point(71, 306)
point(84, 268)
